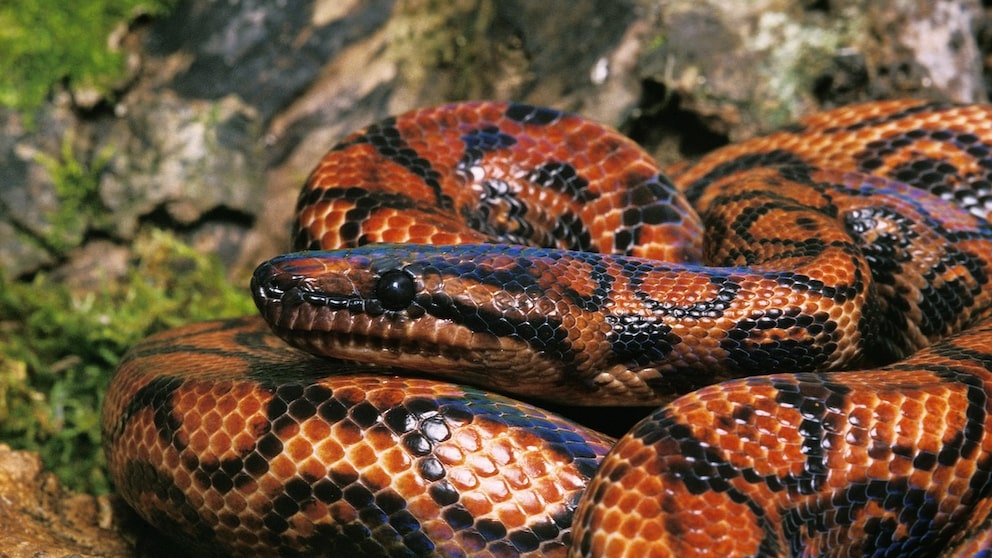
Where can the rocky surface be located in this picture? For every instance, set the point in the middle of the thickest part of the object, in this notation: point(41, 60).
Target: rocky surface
point(39, 518)
point(230, 104)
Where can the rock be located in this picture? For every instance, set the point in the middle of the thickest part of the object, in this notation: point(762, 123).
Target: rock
point(30, 229)
point(747, 68)
point(176, 160)
point(40, 518)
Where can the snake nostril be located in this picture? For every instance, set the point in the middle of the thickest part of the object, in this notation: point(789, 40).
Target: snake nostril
point(261, 282)
point(395, 289)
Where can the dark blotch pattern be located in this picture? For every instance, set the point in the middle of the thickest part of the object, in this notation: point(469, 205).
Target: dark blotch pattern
point(824, 412)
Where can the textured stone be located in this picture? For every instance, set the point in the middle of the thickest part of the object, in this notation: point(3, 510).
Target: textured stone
point(40, 518)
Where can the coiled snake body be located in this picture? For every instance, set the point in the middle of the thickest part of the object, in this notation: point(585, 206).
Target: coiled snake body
point(857, 240)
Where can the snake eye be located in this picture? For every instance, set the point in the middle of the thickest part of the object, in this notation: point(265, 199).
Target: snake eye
point(395, 290)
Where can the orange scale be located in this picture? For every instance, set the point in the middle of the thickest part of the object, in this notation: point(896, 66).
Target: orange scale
point(329, 238)
point(288, 430)
point(468, 439)
point(417, 230)
point(381, 438)
point(477, 503)
point(249, 406)
point(395, 234)
point(752, 452)
point(315, 430)
point(191, 421)
point(207, 405)
point(717, 404)
point(908, 427)
point(628, 502)
point(882, 431)
point(376, 476)
point(281, 467)
point(534, 464)
point(512, 518)
point(346, 432)
point(901, 466)
point(220, 443)
point(929, 440)
point(860, 416)
point(170, 459)
point(529, 502)
point(730, 443)
point(951, 505)
point(933, 477)
point(504, 450)
point(395, 460)
point(622, 546)
point(496, 488)
point(964, 469)
point(570, 479)
point(361, 455)
point(719, 530)
point(148, 437)
point(462, 478)
point(232, 422)
point(199, 441)
point(383, 396)
point(611, 521)
point(442, 237)
point(298, 448)
point(769, 428)
point(182, 479)
point(776, 460)
point(424, 508)
point(226, 404)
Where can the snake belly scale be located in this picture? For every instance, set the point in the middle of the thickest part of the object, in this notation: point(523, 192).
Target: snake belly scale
point(809, 308)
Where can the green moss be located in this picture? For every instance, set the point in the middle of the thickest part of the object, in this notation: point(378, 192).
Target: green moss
point(80, 208)
point(58, 349)
point(46, 42)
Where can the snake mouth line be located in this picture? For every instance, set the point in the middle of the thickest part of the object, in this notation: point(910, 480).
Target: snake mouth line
point(473, 363)
point(345, 327)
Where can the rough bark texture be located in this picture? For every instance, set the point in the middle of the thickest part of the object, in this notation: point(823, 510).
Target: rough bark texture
point(232, 103)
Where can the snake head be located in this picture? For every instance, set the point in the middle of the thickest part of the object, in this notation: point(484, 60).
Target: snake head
point(464, 311)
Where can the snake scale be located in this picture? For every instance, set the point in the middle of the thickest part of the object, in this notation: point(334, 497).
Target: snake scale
point(810, 309)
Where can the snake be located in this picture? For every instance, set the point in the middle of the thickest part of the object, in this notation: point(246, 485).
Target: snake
point(808, 312)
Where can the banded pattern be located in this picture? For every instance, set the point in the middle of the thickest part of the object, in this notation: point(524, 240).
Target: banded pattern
point(889, 462)
point(472, 172)
point(566, 267)
point(235, 444)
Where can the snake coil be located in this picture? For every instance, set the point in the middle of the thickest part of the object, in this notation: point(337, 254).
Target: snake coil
point(810, 309)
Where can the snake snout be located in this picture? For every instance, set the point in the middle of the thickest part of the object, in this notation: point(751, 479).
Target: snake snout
point(262, 288)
